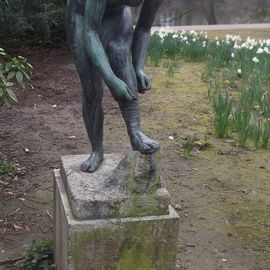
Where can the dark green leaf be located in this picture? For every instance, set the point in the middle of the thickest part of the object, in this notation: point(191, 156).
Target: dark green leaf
point(11, 75)
point(19, 77)
point(11, 94)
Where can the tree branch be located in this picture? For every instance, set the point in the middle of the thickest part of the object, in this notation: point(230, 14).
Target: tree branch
point(182, 14)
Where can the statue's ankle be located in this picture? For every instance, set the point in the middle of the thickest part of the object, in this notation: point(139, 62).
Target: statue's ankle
point(133, 132)
point(99, 151)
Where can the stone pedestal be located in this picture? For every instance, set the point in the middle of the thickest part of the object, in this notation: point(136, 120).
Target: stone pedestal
point(118, 218)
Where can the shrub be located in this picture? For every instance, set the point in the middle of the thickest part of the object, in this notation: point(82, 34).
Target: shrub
point(6, 168)
point(12, 69)
point(38, 256)
point(32, 21)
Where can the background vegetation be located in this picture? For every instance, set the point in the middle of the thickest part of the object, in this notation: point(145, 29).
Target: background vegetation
point(27, 22)
point(237, 73)
point(31, 22)
point(188, 12)
point(12, 70)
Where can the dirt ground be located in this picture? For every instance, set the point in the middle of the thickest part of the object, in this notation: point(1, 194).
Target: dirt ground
point(221, 193)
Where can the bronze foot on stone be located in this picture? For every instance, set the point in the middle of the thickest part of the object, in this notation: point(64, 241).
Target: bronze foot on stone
point(142, 143)
point(93, 162)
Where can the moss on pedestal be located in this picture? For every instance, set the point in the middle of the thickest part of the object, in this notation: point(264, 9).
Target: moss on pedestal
point(133, 245)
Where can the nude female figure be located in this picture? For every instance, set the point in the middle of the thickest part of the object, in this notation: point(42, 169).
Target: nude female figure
point(105, 46)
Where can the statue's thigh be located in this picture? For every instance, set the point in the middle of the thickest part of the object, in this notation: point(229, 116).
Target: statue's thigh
point(74, 31)
point(116, 30)
point(89, 76)
point(117, 37)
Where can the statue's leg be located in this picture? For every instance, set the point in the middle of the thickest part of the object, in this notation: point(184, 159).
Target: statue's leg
point(93, 117)
point(92, 94)
point(117, 37)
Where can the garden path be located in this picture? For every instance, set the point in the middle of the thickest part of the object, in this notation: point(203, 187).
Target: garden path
point(219, 27)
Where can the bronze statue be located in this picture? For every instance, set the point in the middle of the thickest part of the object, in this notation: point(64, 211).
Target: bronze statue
point(105, 46)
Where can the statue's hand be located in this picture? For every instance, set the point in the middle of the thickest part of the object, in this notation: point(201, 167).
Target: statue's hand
point(144, 82)
point(120, 91)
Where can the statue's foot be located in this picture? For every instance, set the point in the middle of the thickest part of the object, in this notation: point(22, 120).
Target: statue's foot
point(93, 162)
point(142, 143)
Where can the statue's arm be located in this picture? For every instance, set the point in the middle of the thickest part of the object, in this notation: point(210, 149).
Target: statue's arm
point(94, 11)
point(141, 40)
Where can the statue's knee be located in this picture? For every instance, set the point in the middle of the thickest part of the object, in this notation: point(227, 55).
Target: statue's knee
point(114, 47)
point(119, 51)
point(122, 38)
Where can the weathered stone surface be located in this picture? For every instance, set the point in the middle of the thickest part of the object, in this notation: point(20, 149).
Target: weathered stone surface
point(140, 243)
point(89, 197)
point(121, 187)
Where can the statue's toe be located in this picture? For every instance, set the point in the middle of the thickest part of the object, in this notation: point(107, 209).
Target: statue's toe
point(92, 163)
point(155, 145)
point(93, 167)
point(85, 166)
point(144, 144)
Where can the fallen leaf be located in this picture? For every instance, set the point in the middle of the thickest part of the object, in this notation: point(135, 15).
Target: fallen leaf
point(16, 227)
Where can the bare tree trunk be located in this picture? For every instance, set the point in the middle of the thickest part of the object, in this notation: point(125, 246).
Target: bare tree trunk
point(209, 11)
point(180, 14)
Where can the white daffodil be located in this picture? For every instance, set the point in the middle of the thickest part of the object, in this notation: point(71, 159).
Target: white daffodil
point(193, 33)
point(244, 45)
point(266, 50)
point(260, 51)
point(255, 60)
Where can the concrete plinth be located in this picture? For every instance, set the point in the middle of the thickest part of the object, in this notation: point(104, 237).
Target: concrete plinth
point(121, 243)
